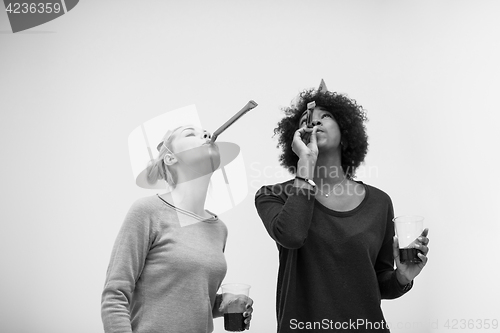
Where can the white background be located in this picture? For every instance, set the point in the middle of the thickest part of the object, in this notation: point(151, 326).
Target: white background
point(71, 91)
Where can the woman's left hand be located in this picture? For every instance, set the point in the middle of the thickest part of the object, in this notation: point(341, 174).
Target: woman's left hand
point(238, 303)
point(407, 272)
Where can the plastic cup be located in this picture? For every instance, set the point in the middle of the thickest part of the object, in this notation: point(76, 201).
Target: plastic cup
point(408, 228)
point(235, 295)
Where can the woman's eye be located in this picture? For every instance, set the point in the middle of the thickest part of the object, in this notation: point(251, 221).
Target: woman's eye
point(326, 115)
point(303, 121)
point(190, 134)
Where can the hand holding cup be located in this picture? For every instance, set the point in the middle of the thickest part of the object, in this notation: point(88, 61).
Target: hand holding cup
point(410, 247)
point(236, 307)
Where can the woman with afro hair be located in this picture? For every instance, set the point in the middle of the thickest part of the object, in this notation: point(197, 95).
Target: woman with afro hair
point(334, 234)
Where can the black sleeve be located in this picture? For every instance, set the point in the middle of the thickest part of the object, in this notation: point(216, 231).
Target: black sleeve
point(286, 212)
point(389, 285)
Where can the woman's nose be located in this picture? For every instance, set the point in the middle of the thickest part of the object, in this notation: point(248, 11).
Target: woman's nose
point(316, 122)
point(206, 135)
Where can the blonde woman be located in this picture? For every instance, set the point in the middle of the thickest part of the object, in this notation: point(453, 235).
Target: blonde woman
point(168, 260)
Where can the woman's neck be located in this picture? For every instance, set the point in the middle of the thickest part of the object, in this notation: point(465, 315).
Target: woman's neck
point(328, 169)
point(191, 195)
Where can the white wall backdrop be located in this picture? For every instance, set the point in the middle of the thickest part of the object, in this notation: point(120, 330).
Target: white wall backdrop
point(71, 91)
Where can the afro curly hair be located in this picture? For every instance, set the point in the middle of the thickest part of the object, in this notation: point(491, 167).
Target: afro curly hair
point(349, 116)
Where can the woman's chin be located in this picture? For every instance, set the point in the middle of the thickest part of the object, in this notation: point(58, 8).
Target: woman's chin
point(204, 159)
point(325, 146)
point(321, 143)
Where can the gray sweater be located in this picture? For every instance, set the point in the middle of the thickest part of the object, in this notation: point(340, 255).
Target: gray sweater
point(163, 277)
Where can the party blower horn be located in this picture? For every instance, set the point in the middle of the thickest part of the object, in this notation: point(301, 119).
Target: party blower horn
point(306, 137)
point(249, 106)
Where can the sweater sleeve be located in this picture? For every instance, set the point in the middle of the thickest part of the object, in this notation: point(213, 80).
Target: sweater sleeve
point(384, 266)
point(286, 212)
point(127, 261)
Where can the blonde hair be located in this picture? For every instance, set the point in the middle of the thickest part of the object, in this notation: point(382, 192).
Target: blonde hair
point(157, 169)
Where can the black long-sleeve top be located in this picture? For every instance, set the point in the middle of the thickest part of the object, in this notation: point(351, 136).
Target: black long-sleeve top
point(334, 267)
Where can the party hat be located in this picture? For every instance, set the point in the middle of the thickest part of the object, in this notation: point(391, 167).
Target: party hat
point(322, 86)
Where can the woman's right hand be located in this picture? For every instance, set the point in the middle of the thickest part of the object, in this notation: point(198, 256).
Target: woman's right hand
point(303, 151)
